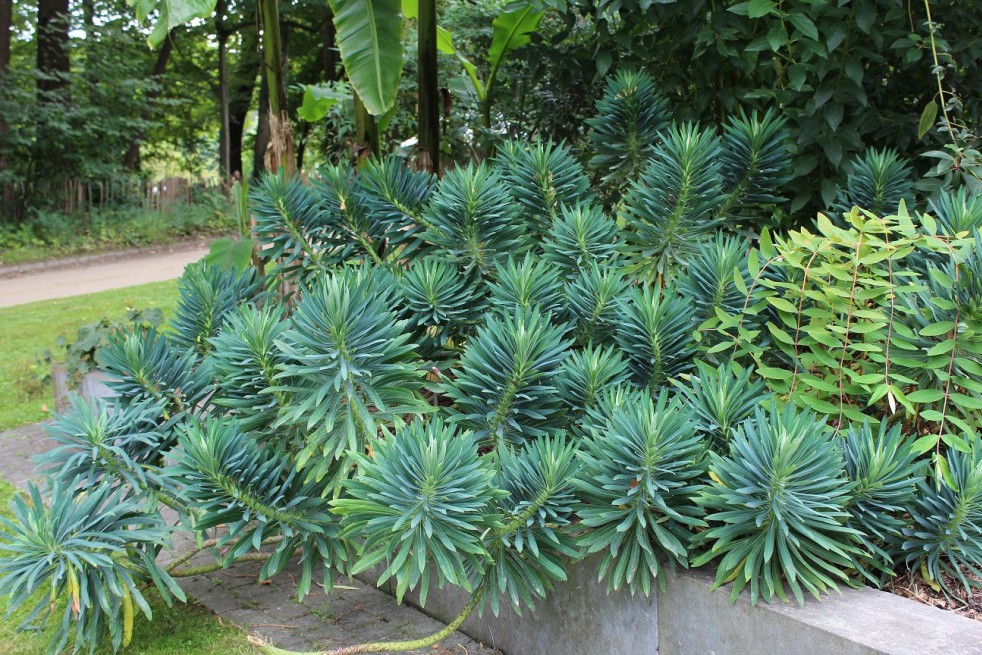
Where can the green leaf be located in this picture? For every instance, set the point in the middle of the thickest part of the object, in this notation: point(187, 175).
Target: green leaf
point(230, 253)
point(926, 396)
point(369, 37)
point(772, 373)
point(804, 25)
point(317, 101)
point(760, 8)
point(937, 329)
point(512, 29)
point(782, 305)
point(444, 41)
point(928, 116)
point(172, 13)
point(925, 444)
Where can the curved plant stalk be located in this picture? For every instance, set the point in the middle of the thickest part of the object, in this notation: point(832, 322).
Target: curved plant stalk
point(173, 567)
point(192, 571)
point(383, 646)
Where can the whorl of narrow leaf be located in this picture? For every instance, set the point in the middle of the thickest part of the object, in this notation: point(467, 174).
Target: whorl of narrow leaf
point(880, 179)
point(145, 367)
point(957, 211)
point(394, 196)
point(722, 398)
point(883, 466)
point(529, 282)
point(671, 207)
point(756, 163)
point(421, 503)
point(530, 549)
point(292, 227)
point(654, 330)
point(257, 492)
point(580, 236)
point(777, 508)
point(350, 366)
point(207, 294)
point(593, 298)
point(708, 280)
point(505, 389)
point(95, 551)
point(637, 483)
point(543, 177)
point(945, 533)
point(440, 303)
point(626, 129)
point(473, 219)
point(94, 443)
point(245, 361)
point(354, 233)
point(587, 373)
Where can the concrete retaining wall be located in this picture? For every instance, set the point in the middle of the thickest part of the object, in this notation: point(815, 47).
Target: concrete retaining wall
point(580, 618)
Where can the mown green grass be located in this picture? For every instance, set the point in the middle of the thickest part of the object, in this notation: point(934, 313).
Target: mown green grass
point(27, 330)
point(179, 630)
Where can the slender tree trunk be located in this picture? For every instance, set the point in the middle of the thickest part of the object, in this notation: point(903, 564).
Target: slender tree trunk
point(366, 132)
point(224, 154)
point(329, 48)
point(52, 46)
point(429, 91)
point(280, 151)
point(223, 140)
point(243, 83)
point(6, 21)
point(262, 128)
point(50, 163)
point(302, 143)
point(132, 159)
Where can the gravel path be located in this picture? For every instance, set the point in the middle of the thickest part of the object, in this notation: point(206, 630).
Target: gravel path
point(62, 279)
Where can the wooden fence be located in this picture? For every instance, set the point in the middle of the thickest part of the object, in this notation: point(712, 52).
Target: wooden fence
point(84, 196)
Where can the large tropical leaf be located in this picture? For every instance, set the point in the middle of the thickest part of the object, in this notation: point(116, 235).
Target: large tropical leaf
point(512, 29)
point(369, 37)
point(171, 14)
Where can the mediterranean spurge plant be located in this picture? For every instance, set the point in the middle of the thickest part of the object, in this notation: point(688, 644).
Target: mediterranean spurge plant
point(475, 381)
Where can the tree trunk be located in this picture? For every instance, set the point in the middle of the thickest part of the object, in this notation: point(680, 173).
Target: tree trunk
point(429, 91)
point(329, 49)
point(280, 150)
point(52, 46)
point(224, 156)
point(132, 159)
point(223, 141)
point(6, 21)
point(366, 132)
point(243, 82)
point(262, 129)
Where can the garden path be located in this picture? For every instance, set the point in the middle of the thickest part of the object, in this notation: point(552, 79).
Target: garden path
point(51, 280)
point(353, 613)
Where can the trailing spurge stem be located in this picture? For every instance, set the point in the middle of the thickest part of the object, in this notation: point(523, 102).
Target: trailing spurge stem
point(382, 646)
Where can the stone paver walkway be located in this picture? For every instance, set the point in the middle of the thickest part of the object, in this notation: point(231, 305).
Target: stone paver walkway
point(353, 613)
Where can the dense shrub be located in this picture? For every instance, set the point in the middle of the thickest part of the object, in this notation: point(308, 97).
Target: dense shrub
point(471, 382)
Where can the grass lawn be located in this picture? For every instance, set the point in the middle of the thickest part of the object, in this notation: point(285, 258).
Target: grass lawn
point(27, 330)
point(178, 630)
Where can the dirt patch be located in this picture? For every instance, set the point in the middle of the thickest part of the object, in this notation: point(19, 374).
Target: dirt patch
point(912, 585)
